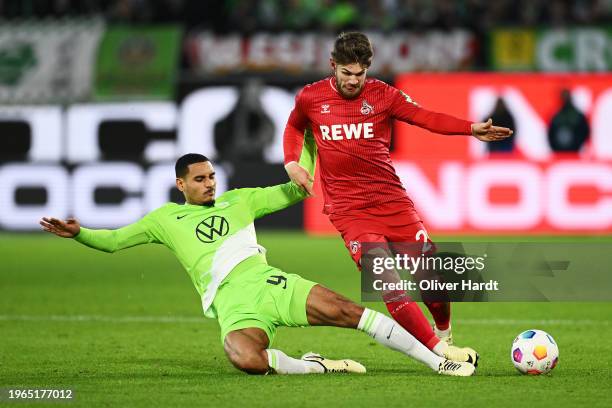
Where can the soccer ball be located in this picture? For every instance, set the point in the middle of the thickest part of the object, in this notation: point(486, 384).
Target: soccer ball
point(534, 352)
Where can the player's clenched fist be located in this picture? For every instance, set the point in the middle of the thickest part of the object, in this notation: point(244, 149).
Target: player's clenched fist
point(300, 176)
point(486, 132)
point(66, 229)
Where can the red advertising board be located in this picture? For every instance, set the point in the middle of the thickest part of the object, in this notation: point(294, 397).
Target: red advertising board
point(460, 188)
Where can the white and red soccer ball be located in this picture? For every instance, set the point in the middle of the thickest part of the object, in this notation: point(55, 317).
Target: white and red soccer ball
point(534, 352)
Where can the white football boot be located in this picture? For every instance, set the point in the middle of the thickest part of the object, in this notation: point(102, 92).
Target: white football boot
point(456, 368)
point(335, 366)
point(461, 354)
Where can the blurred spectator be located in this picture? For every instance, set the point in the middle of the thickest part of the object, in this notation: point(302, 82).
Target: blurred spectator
point(250, 16)
point(302, 14)
point(379, 16)
point(242, 15)
point(130, 11)
point(569, 128)
point(557, 13)
point(339, 14)
point(530, 13)
point(247, 130)
point(270, 15)
point(502, 117)
point(280, 15)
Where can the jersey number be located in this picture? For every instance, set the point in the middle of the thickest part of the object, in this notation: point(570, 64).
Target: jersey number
point(277, 280)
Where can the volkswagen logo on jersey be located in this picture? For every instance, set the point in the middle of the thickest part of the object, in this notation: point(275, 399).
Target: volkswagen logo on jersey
point(366, 108)
point(212, 228)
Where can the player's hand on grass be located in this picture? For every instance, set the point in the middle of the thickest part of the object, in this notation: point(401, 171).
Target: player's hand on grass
point(486, 132)
point(300, 176)
point(65, 229)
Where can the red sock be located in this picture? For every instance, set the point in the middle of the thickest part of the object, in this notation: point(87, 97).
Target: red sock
point(441, 312)
point(408, 314)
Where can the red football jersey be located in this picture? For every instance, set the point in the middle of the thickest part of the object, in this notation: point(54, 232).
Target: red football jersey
point(353, 138)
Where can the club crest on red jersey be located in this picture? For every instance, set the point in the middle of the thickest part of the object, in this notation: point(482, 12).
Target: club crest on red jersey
point(325, 109)
point(366, 108)
point(355, 245)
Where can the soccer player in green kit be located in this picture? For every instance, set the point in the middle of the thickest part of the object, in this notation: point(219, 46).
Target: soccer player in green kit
point(215, 241)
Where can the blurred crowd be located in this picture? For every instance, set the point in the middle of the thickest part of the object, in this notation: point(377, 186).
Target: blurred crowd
point(295, 15)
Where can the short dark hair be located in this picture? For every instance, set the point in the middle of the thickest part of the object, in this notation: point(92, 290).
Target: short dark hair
point(352, 47)
point(182, 164)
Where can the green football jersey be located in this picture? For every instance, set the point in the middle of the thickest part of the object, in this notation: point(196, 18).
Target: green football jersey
point(209, 241)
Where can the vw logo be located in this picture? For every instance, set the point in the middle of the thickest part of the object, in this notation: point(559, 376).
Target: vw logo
point(212, 228)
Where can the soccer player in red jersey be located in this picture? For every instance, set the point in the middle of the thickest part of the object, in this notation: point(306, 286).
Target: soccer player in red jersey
point(350, 117)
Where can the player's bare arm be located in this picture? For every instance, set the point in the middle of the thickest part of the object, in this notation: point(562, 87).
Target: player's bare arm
point(300, 176)
point(486, 132)
point(69, 228)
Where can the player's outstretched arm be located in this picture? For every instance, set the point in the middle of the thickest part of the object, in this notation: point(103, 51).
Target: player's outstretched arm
point(264, 201)
point(65, 229)
point(302, 172)
point(486, 132)
point(300, 176)
point(405, 109)
point(104, 240)
point(297, 141)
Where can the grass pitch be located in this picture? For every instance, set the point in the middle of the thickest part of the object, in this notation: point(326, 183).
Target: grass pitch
point(127, 330)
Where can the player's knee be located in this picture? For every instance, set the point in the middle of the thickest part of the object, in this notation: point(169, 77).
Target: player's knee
point(251, 362)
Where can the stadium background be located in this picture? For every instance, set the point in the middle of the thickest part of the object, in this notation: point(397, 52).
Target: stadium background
point(98, 98)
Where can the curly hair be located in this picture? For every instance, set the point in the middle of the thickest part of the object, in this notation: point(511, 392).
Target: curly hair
point(352, 47)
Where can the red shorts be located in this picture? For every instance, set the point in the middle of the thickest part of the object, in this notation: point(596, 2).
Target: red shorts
point(395, 221)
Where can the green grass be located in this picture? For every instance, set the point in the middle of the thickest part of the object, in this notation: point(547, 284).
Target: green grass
point(126, 330)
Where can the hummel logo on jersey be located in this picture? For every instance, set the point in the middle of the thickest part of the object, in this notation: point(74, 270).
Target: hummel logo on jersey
point(366, 108)
point(350, 131)
point(325, 109)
